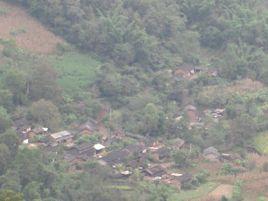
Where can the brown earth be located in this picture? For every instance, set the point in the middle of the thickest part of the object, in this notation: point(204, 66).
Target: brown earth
point(222, 190)
point(28, 33)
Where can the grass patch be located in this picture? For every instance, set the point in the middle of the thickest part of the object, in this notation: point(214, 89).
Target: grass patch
point(121, 188)
point(76, 71)
point(16, 32)
point(196, 194)
point(261, 143)
point(3, 11)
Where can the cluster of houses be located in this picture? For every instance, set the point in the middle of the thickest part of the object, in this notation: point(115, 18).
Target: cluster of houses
point(149, 156)
point(153, 158)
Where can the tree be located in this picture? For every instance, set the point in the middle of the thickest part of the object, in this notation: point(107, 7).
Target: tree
point(30, 166)
point(159, 193)
point(197, 10)
point(5, 121)
point(11, 140)
point(32, 191)
point(154, 121)
point(9, 195)
point(237, 191)
point(243, 129)
point(45, 113)
point(180, 158)
point(16, 83)
point(4, 158)
point(43, 84)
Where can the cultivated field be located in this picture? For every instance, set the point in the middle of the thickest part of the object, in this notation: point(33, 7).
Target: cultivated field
point(28, 33)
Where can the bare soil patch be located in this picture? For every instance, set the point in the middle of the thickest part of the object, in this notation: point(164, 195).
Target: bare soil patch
point(222, 190)
point(245, 85)
point(16, 24)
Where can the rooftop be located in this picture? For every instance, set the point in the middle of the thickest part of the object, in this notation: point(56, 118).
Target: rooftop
point(98, 147)
point(61, 134)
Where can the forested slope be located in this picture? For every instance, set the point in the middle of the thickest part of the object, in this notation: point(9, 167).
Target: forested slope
point(144, 42)
point(193, 69)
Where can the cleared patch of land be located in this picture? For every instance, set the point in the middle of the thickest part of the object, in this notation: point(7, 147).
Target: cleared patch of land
point(75, 70)
point(28, 33)
point(195, 195)
point(222, 190)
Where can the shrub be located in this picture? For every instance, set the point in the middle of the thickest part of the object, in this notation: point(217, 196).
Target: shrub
point(237, 192)
point(202, 176)
point(180, 158)
point(265, 167)
point(228, 169)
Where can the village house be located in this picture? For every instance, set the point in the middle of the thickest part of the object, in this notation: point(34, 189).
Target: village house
point(132, 152)
point(155, 171)
point(211, 154)
point(177, 144)
point(140, 162)
point(61, 137)
point(160, 154)
point(98, 148)
point(37, 131)
point(80, 152)
point(115, 157)
point(185, 179)
point(88, 128)
point(218, 113)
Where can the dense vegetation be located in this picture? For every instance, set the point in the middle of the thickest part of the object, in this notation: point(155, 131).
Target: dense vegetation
point(139, 45)
point(142, 42)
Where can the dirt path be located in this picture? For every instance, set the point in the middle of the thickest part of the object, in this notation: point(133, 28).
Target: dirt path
point(16, 24)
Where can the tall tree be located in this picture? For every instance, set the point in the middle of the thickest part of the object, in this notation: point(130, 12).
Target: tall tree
point(45, 113)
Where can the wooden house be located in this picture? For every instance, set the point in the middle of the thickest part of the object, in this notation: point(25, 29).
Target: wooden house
point(155, 171)
point(61, 137)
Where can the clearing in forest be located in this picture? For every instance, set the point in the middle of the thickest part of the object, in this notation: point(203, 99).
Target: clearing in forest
point(222, 190)
point(28, 33)
point(76, 71)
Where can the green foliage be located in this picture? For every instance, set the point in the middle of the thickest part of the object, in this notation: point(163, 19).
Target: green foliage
point(4, 158)
point(11, 140)
point(265, 167)
point(16, 81)
point(142, 44)
point(159, 193)
point(32, 191)
point(180, 158)
point(244, 127)
point(241, 60)
point(44, 84)
point(260, 143)
point(45, 113)
point(89, 139)
point(228, 169)
point(76, 71)
point(237, 192)
point(202, 176)
point(197, 10)
point(5, 121)
point(9, 195)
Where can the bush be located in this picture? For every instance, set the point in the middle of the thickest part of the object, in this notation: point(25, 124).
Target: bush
point(202, 176)
point(265, 167)
point(180, 158)
point(228, 169)
point(237, 192)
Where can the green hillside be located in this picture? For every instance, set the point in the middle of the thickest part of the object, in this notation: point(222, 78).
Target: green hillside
point(125, 100)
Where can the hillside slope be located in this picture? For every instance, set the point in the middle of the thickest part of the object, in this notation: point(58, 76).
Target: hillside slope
point(17, 25)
